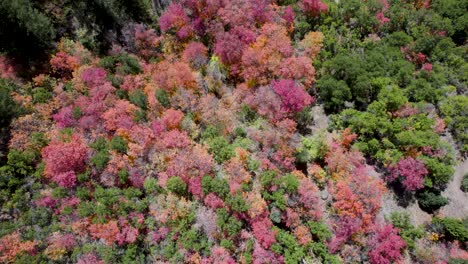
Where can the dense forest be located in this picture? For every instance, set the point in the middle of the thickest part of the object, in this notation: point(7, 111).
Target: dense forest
point(233, 131)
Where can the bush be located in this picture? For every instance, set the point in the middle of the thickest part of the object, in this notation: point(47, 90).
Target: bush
point(454, 229)
point(221, 149)
point(431, 201)
point(464, 184)
point(176, 185)
point(118, 144)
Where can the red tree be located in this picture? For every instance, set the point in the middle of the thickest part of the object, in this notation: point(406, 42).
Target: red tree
point(385, 245)
point(411, 171)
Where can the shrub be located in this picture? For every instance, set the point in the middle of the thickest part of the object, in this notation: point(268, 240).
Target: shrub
point(118, 144)
point(464, 184)
point(176, 185)
point(431, 201)
point(454, 229)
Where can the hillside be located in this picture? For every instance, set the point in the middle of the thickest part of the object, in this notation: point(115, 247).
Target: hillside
point(233, 131)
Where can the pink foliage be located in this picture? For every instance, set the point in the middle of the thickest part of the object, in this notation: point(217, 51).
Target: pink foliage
point(427, 67)
point(64, 118)
point(120, 116)
point(261, 229)
point(66, 241)
point(63, 157)
point(94, 76)
point(89, 258)
point(266, 103)
point(213, 201)
point(171, 118)
point(175, 139)
point(308, 192)
point(176, 19)
point(63, 62)
point(314, 7)
point(299, 69)
point(220, 255)
point(229, 48)
point(132, 82)
point(127, 235)
point(146, 41)
point(381, 18)
point(293, 97)
point(195, 53)
point(412, 172)
point(385, 245)
point(263, 256)
point(46, 201)
point(6, 69)
point(66, 179)
point(288, 16)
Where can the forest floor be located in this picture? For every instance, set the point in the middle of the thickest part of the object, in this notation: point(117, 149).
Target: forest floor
point(458, 200)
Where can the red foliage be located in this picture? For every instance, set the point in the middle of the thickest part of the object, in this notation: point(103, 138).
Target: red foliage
point(385, 245)
point(146, 41)
point(175, 139)
point(64, 157)
point(412, 172)
point(6, 69)
point(133, 82)
point(264, 57)
point(108, 232)
point(63, 63)
point(66, 179)
point(314, 7)
point(308, 193)
point(171, 118)
point(177, 20)
point(11, 245)
point(229, 48)
point(195, 53)
point(261, 229)
point(94, 76)
point(172, 75)
point(213, 201)
point(89, 258)
point(266, 103)
point(381, 18)
point(64, 118)
point(299, 69)
point(427, 67)
point(293, 97)
point(120, 116)
point(263, 256)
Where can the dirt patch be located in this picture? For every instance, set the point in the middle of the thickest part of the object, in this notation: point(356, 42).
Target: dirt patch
point(458, 200)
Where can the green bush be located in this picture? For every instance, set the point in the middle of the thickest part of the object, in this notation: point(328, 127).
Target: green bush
point(454, 229)
point(464, 184)
point(163, 97)
point(118, 144)
point(176, 185)
point(221, 149)
point(431, 201)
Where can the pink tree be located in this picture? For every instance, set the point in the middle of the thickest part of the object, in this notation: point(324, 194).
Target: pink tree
point(63, 159)
point(293, 97)
point(411, 171)
point(385, 245)
point(314, 7)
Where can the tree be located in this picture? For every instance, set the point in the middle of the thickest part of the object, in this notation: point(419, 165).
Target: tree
point(175, 19)
point(385, 245)
point(293, 97)
point(63, 159)
point(412, 171)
